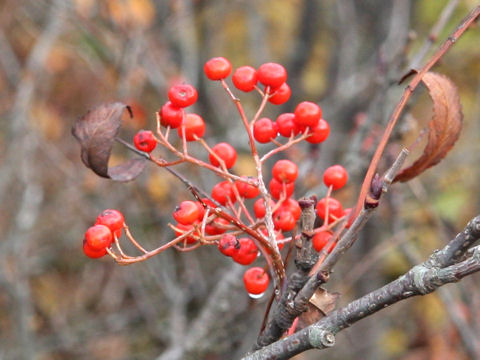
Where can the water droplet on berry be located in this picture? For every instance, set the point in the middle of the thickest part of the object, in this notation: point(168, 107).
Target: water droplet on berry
point(256, 296)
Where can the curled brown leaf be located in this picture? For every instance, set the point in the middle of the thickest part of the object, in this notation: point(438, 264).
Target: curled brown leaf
point(96, 132)
point(444, 127)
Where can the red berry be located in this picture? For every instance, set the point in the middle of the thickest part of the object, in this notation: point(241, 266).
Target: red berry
point(281, 95)
point(319, 132)
point(217, 68)
point(308, 114)
point(277, 188)
point(245, 78)
point(201, 210)
point(284, 220)
point(145, 141)
point(264, 130)
point(186, 213)
point(246, 190)
point(335, 209)
point(286, 124)
point(113, 219)
point(91, 253)
point(256, 280)
point(217, 226)
point(259, 207)
point(247, 252)
point(321, 239)
point(183, 95)
point(272, 74)
point(209, 202)
point(171, 115)
point(292, 206)
point(285, 171)
point(223, 191)
point(193, 125)
point(335, 176)
point(98, 237)
point(183, 229)
point(228, 245)
point(224, 151)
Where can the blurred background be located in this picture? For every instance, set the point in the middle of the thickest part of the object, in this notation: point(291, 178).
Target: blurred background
point(59, 58)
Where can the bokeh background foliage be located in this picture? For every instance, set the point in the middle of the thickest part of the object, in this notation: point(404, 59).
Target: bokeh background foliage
point(59, 58)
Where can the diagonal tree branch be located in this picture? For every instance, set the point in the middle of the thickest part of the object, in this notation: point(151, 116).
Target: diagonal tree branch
point(422, 279)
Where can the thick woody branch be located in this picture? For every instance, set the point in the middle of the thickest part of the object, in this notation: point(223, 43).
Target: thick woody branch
point(306, 257)
point(422, 279)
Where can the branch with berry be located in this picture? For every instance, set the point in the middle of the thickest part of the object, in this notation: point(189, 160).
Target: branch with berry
point(250, 219)
point(245, 217)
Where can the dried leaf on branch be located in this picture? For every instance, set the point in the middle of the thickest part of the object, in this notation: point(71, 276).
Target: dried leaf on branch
point(96, 132)
point(444, 127)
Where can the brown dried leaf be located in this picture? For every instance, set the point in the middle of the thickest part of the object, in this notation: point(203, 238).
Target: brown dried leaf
point(444, 127)
point(96, 132)
point(320, 304)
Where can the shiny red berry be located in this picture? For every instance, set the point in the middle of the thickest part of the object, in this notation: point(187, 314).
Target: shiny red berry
point(321, 239)
point(217, 68)
point(319, 133)
point(335, 176)
point(272, 74)
point(256, 280)
point(98, 237)
point(291, 205)
point(193, 126)
point(247, 252)
point(182, 95)
point(201, 210)
point(182, 229)
point(145, 141)
point(224, 151)
point(246, 190)
point(335, 209)
point(92, 253)
point(280, 95)
point(171, 115)
point(278, 188)
point(113, 219)
point(186, 213)
point(228, 245)
point(217, 226)
point(286, 124)
point(264, 130)
point(285, 171)
point(308, 114)
point(259, 207)
point(284, 220)
point(245, 78)
point(223, 191)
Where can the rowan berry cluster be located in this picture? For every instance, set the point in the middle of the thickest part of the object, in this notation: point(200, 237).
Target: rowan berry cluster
point(245, 217)
point(106, 230)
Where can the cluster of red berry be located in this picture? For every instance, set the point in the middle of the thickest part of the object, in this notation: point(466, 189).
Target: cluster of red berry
point(196, 221)
point(99, 237)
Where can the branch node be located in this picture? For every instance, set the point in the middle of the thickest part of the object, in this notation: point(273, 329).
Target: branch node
point(320, 338)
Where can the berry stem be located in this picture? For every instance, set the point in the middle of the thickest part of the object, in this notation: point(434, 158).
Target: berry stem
point(260, 108)
point(132, 239)
point(273, 257)
point(291, 141)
